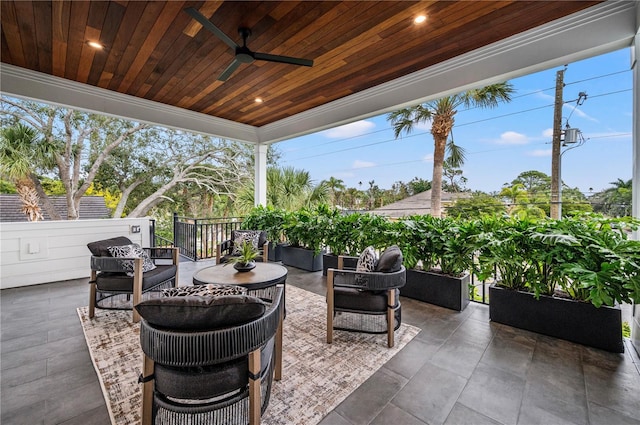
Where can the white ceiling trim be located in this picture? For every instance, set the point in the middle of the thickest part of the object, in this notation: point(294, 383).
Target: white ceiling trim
point(597, 30)
point(37, 86)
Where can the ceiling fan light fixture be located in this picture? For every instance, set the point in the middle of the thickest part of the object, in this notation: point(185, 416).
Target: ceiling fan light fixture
point(419, 19)
point(258, 100)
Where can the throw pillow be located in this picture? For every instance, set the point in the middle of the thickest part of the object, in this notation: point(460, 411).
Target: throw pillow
point(367, 260)
point(132, 251)
point(211, 290)
point(201, 313)
point(390, 260)
point(245, 236)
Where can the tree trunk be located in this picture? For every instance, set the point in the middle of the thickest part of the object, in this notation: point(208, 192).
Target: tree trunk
point(44, 199)
point(440, 129)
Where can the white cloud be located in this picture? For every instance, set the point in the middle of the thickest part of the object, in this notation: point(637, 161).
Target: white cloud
point(353, 129)
point(362, 164)
point(573, 109)
point(428, 157)
point(512, 138)
point(548, 132)
point(540, 152)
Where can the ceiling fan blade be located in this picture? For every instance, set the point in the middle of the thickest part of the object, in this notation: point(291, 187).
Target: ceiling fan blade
point(227, 72)
point(282, 59)
point(195, 14)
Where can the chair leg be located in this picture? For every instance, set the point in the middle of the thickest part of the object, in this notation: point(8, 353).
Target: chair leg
point(254, 388)
point(92, 294)
point(137, 287)
point(265, 252)
point(278, 351)
point(176, 260)
point(329, 306)
point(147, 391)
point(391, 321)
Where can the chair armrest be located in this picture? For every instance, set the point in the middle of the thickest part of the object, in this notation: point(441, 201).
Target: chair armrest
point(226, 246)
point(341, 259)
point(163, 254)
point(370, 281)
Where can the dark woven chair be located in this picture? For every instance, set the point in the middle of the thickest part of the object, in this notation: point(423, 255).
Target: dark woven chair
point(225, 250)
point(112, 288)
point(217, 376)
point(364, 301)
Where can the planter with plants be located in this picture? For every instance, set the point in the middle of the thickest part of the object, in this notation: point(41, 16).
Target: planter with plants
point(304, 231)
point(438, 254)
point(272, 221)
point(245, 260)
point(349, 235)
point(562, 278)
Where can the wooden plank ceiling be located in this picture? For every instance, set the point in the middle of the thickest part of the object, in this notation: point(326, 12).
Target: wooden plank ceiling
point(154, 50)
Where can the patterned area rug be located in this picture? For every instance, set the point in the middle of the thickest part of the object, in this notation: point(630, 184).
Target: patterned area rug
point(316, 376)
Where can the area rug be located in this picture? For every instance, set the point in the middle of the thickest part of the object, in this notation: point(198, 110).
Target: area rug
point(316, 376)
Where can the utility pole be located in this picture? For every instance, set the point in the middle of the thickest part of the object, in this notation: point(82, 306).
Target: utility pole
point(556, 179)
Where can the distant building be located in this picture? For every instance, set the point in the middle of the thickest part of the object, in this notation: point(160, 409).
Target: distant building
point(419, 204)
point(91, 207)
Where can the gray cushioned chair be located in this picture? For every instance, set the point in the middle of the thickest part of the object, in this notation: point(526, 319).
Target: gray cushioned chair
point(222, 375)
point(364, 301)
point(112, 288)
point(225, 249)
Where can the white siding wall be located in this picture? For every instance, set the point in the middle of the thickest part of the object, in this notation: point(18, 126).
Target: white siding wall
point(49, 251)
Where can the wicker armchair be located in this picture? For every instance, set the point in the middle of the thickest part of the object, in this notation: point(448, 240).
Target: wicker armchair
point(225, 250)
point(114, 286)
point(219, 376)
point(364, 301)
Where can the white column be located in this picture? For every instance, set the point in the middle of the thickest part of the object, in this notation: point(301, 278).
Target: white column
point(635, 200)
point(260, 191)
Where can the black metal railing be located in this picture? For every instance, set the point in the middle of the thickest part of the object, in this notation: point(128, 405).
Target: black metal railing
point(198, 238)
point(158, 241)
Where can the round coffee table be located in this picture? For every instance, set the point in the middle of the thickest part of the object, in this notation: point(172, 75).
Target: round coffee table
point(263, 276)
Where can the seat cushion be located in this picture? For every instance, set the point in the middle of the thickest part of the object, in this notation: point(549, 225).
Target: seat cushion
point(354, 299)
point(201, 313)
point(100, 248)
point(120, 282)
point(390, 260)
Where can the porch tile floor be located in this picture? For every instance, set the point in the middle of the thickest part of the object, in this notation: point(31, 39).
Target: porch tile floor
point(460, 369)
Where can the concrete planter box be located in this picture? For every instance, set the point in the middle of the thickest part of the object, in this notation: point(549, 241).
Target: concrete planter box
point(301, 258)
point(571, 320)
point(434, 288)
point(330, 261)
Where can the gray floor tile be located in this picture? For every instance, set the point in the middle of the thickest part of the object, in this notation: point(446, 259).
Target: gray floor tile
point(334, 418)
point(544, 403)
point(26, 414)
point(23, 374)
point(369, 399)
point(412, 357)
point(494, 393)
point(616, 390)
point(462, 415)
point(508, 354)
point(430, 394)
point(392, 414)
point(73, 402)
point(97, 416)
point(600, 415)
point(458, 356)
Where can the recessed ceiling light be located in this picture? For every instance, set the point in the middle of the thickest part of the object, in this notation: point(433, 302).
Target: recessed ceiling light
point(258, 100)
point(95, 44)
point(420, 19)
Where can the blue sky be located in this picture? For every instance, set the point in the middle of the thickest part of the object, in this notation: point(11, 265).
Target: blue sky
point(500, 143)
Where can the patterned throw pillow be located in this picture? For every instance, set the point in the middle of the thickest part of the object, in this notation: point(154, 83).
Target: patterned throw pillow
point(131, 251)
point(212, 290)
point(245, 236)
point(367, 260)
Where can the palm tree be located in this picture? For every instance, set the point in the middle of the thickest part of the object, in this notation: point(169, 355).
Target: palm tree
point(441, 113)
point(21, 152)
point(616, 200)
point(287, 188)
point(335, 187)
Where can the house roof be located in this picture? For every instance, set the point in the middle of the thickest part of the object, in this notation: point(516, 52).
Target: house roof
point(91, 207)
point(160, 66)
point(419, 204)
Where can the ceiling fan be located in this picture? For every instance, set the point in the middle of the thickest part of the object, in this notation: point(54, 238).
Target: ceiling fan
point(242, 53)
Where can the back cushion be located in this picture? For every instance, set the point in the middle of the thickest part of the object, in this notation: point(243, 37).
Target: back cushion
point(100, 248)
point(390, 260)
point(195, 313)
